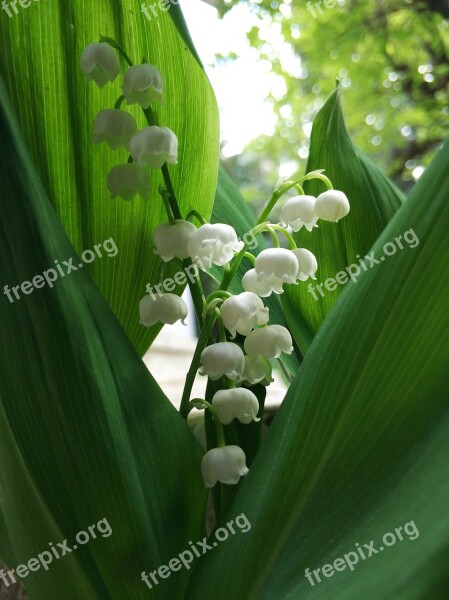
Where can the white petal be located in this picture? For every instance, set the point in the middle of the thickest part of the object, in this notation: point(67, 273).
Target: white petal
point(142, 84)
point(222, 358)
point(252, 283)
point(213, 244)
point(100, 63)
point(269, 342)
point(242, 312)
point(171, 240)
point(115, 127)
point(332, 206)
point(163, 308)
point(236, 403)
point(154, 146)
point(307, 263)
point(226, 464)
point(299, 211)
point(128, 180)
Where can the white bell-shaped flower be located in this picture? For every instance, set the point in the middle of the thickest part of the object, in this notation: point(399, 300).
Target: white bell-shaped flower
point(243, 312)
point(269, 342)
point(171, 240)
point(129, 180)
point(154, 146)
point(100, 63)
point(275, 267)
point(222, 358)
point(213, 245)
point(226, 464)
point(115, 127)
point(299, 212)
point(162, 308)
point(252, 283)
point(257, 371)
point(307, 263)
point(237, 403)
point(332, 206)
point(143, 84)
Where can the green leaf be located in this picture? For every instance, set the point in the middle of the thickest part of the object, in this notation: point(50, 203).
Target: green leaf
point(359, 446)
point(56, 107)
point(85, 432)
point(373, 200)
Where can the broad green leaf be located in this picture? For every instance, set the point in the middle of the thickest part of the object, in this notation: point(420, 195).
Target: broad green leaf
point(373, 200)
point(56, 107)
point(85, 432)
point(359, 446)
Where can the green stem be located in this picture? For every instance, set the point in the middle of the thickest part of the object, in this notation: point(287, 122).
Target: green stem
point(251, 257)
point(289, 238)
point(288, 186)
point(119, 102)
point(197, 215)
point(200, 403)
point(221, 327)
point(117, 46)
point(196, 361)
point(219, 294)
point(168, 208)
point(269, 207)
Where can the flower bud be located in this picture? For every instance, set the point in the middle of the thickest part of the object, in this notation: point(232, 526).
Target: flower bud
point(243, 312)
point(154, 146)
point(237, 403)
point(299, 212)
point(226, 464)
point(332, 206)
point(275, 267)
point(252, 283)
point(115, 127)
point(307, 264)
point(269, 342)
point(128, 180)
point(257, 371)
point(164, 308)
point(143, 84)
point(213, 245)
point(222, 358)
point(100, 63)
point(171, 240)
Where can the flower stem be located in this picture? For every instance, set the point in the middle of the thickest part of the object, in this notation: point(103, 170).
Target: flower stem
point(290, 239)
point(203, 404)
point(119, 102)
point(196, 361)
point(197, 215)
point(117, 46)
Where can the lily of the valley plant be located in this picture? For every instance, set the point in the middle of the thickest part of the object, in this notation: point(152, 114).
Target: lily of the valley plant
point(229, 365)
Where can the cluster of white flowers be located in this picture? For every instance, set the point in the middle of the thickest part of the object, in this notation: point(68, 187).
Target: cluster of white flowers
point(304, 211)
point(153, 146)
point(238, 364)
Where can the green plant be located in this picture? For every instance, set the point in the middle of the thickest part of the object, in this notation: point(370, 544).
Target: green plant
point(357, 447)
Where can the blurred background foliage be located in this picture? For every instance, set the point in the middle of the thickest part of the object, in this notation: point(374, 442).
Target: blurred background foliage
point(391, 57)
